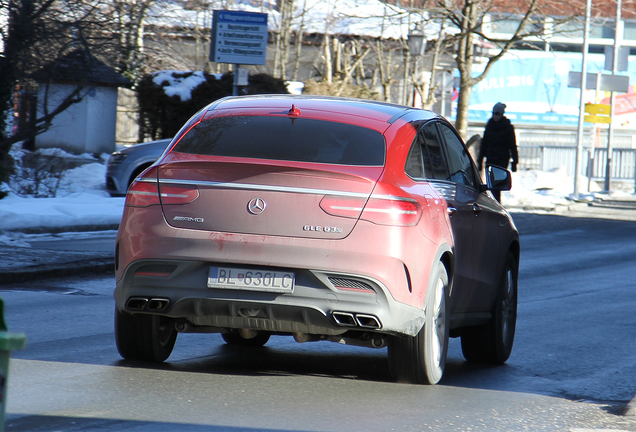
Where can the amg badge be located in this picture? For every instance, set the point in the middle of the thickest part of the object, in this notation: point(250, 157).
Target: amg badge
point(187, 219)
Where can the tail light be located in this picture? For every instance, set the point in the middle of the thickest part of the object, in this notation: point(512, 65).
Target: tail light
point(392, 212)
point(146, 193)
point(343, 206)
point(381, 211)
point(143, 194)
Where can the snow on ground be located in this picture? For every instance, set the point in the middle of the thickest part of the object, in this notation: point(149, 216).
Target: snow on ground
point(82, 200)
point(543, 190)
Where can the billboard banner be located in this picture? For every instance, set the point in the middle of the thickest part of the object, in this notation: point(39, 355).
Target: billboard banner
point(534, 86)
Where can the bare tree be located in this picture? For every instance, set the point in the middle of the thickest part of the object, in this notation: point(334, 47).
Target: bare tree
point(468, 16)
point(281, 54)
point(389, 56)
point(130, 16)
point(428, 89)
point(42, 32)
point(299, 40)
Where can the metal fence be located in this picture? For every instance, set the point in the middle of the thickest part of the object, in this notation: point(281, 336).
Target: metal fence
point(593, 163)
point(567, 137)
point(546, 149)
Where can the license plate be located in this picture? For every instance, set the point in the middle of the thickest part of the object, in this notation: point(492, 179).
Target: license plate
point(251, 279)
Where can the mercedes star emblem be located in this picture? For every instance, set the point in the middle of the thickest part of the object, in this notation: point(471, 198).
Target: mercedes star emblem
point(256, 206)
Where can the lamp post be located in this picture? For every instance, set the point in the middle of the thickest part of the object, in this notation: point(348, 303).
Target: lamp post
point(579, 135)
point(417, 45)
point(416, 42)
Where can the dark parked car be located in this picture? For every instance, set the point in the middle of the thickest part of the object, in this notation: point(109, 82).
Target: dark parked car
point(324, 219)
point(125, 165)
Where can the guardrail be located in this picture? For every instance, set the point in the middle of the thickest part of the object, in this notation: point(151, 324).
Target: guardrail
point(548, 148)
point(544, 158)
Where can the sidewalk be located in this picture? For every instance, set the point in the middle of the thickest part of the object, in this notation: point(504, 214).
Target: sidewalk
point(22, 263)
point(623, 208)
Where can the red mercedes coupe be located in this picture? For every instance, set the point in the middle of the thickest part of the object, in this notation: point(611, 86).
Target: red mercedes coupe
point(323, 219)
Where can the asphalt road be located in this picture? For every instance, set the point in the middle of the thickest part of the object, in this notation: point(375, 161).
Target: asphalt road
point(573, 367)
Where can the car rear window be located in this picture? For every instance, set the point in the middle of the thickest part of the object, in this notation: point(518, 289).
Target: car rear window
point(284, 138)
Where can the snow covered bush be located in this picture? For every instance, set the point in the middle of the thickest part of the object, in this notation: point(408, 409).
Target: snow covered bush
point(167, 99)
point(49, 173)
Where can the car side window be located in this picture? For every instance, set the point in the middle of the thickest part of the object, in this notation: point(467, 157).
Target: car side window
point(434, 163)
point(414, 167)
point(460, 164)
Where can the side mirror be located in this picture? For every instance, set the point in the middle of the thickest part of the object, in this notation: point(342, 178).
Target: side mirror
point(498, 179)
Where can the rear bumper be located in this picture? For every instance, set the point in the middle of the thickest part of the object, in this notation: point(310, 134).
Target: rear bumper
point(316, 305)
point(394, 262)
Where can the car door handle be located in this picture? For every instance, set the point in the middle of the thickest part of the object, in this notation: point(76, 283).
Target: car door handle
point(476, 209)
point(451, 211)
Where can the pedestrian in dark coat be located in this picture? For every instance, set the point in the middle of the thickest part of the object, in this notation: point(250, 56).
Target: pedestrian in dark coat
point(499, 143)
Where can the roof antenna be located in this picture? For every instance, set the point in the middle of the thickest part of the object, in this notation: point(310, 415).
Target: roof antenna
point(294, 111)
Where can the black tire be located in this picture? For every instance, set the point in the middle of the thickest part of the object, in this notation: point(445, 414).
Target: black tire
point(492, 342)
point(421, 359)
point(237, 340)
point(144, 337)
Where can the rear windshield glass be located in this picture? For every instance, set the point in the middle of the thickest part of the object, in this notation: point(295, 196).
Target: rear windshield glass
point(284, 138)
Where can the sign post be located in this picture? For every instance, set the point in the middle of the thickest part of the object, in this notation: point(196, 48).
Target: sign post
point(612, 83)
point(579, 135)
point(618, 34)
point(239, 38)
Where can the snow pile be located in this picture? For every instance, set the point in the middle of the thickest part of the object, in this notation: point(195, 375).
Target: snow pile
point(544, 189)
point(75, 209)
point(80, 198)
point(179, 83)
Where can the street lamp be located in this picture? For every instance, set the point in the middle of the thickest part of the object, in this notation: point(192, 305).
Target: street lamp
point(416, 42)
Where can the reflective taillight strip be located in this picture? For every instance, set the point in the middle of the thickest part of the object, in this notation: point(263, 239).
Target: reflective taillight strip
point(134, 192)
point(394, 211)
point(379, 210)
point(346, 208)
point(169, 195)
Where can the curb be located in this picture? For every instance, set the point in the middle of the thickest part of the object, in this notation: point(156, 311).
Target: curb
point(64, 229)
point(630, 410)
point(582, 210)
point(94, 265)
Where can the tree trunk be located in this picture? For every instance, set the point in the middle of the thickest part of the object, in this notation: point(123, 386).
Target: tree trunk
point(328, 62)
point(461, 124)
point(464, 60)
point(299, 44)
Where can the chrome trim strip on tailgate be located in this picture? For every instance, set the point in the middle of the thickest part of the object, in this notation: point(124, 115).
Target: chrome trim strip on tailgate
point(270, 188)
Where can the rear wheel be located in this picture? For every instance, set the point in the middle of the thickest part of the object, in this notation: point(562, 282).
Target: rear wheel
point(144, 337)
point(237, 340)
point(492, 342)
point(421, 359)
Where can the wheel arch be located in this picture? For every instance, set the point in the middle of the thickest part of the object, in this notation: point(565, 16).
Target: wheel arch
point(138, 170)
point(448, 260)
point(445, 256)
point(515, 250)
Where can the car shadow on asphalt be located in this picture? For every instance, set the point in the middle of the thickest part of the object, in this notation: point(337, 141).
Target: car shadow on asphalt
point(319, 360)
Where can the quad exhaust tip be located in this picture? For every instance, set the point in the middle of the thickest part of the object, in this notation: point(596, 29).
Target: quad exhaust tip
point(152, 304)
point(347, 319)
point(368, 321)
